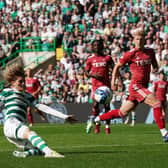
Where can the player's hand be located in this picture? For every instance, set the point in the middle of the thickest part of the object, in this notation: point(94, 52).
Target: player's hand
point(70, 119)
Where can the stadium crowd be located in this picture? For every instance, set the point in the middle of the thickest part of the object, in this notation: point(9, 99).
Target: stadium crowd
point(75, 24)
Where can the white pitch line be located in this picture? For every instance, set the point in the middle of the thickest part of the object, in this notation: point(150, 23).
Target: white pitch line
point(95, 146)
point(112, 145)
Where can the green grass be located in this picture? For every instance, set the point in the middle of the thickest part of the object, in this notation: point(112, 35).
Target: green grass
point(125, 147)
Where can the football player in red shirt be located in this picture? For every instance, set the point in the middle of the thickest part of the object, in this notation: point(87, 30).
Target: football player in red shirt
point(160, 90)
point(33, 87)
point(140, 60)
point(98, 67)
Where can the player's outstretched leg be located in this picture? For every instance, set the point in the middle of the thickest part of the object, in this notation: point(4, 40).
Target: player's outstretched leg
point(109, 115)
point(39, 143)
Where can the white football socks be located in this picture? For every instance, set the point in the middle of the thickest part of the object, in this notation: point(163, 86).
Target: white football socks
point(97, 119)
point(163, 131)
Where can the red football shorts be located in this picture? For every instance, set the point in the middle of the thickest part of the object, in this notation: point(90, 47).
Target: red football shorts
point(138, 93)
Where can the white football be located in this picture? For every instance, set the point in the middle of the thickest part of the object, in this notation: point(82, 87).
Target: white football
point(103, 95)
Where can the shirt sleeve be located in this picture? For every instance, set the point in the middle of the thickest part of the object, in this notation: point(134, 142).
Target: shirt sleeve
point(1, 100)
point(125, 58)
point(88, 65)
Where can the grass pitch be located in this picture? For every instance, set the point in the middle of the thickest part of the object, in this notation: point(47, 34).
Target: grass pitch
point(125, 147)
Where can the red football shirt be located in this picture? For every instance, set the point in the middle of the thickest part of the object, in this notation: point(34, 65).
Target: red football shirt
point(140, 65)
point(101, 65)
point(31, 85)
point(161, 89)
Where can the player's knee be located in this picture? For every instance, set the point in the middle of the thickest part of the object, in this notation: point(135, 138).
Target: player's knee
point(152, 100)
point(22, 131)
point(123, 113)
point(31, 134)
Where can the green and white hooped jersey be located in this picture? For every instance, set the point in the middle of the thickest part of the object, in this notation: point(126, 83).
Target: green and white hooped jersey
point(126, 85)
point(16, 103)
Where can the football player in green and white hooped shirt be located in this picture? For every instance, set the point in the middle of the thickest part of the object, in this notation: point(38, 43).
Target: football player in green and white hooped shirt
point(127, 80)
point(16, 101)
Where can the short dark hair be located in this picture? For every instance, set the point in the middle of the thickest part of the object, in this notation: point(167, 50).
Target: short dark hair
point(100, 41)
point(161, 72)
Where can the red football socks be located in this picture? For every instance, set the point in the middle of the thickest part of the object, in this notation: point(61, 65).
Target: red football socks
point(30, 117)
point(111, 114)
point(157, 112)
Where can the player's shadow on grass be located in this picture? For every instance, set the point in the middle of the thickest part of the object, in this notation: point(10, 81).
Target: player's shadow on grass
point(95, 152)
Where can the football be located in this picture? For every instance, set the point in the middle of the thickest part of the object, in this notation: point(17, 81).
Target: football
point(103, 95)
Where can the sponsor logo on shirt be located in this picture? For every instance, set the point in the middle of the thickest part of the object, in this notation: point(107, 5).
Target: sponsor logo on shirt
point(161, 86)
point(143, 62)
point(99, 64)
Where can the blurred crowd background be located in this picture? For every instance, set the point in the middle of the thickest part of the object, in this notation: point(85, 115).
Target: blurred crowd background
point(74, 24)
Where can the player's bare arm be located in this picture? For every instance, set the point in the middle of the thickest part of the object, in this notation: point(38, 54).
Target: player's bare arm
point(48, 110)
point(155, 65)
point(115, 75)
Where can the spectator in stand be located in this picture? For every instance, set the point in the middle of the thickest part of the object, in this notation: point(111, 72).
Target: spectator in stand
point(164, 68)
point(83, 85)
point(67, 94)
point(80, 46)
point(67, 64)
point(90, 7)
point(36, 4)
point(44, 35)
point(75, 60)
point(82, 96)
point(164, 54)
point(7, 48)
point(46, 98)
point(160, 90)
point(67, 18)
point(75, 19)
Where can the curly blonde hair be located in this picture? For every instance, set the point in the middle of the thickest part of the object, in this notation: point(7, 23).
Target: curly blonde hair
point(13, 71)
